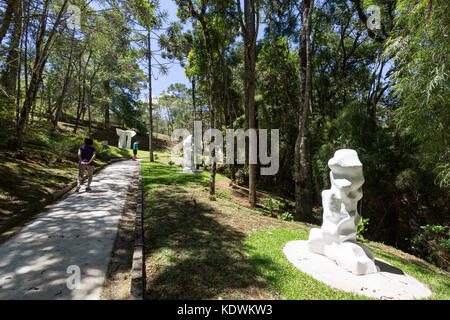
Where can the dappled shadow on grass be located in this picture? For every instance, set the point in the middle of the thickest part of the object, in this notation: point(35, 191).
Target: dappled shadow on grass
point(190, 253)
point(22, 183)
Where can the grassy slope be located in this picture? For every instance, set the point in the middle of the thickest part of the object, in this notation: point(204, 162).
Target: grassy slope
point(202, 249)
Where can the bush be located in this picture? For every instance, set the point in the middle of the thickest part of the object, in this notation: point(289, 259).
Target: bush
point(274, 206)
point(407, 180)
point(60, 148)
point(268, 205)
point(76, 141)
point(434, 242)
point(286, 216)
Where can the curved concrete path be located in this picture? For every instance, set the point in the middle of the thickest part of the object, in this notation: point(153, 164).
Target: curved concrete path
point(75, 234)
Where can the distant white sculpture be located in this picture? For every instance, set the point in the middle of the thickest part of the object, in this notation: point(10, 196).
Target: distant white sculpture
point(125, 138)
point(188, 156)
point(337, 237)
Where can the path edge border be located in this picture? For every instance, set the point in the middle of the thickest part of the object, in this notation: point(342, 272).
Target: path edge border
point(137, 290)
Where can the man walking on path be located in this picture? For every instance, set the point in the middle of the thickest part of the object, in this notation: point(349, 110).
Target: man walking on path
point(86, 156)
point(135, 150)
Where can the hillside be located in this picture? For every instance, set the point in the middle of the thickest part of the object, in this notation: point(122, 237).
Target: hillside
point(49, 163)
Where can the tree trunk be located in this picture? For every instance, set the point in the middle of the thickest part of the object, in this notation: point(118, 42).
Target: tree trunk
point(107, 88)
point(82, 89)
point(65, 86)
point(212, 85)
point(150, 100)
point(194, 109)
point(303, 194)
point(41, 56)
point(250, 34)
point(212, 106)
point(90, 99)
point(20, 23)
point(10, 78)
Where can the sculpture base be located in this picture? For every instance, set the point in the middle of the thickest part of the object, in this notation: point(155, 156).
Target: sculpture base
point(190, 171)
point(389, 283)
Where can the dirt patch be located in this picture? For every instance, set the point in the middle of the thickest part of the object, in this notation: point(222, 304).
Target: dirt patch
point(239, 194)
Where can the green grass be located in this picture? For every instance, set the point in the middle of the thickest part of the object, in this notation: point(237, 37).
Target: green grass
point(265, 253)
point(193, 250)
point(155, 173)
point(200, 249)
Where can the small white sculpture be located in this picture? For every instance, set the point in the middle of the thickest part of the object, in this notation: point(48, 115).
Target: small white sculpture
point(188, 156)
point(125, 138)
point(337, 237)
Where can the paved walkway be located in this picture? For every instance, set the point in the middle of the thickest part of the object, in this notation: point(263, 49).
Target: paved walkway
point(75, 234)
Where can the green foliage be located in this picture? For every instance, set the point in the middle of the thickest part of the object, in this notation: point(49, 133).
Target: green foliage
point(127, 110)
point(61, 149)
point(286, 216)
point(407, 180)
point(419, 48)
point(434, 241)
point(444, 176)
point(269, 205)
point(223, 193)
point(275, 207)
point(362, 228)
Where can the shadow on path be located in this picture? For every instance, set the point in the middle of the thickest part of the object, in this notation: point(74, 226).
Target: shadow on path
point(79, 230)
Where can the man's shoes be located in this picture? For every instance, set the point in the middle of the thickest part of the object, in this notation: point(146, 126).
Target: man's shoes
point(88, 189)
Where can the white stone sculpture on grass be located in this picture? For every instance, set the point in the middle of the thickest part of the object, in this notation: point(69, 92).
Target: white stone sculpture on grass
point(188, 156)
point(336, 239)
point(125, 138)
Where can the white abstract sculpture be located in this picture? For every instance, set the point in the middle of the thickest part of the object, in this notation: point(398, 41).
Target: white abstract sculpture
point(125, 138)
point(188, 156)
point(337, 237)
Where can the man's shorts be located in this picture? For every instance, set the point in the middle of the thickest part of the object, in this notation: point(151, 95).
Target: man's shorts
point(84, 167)
point(135, 151)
